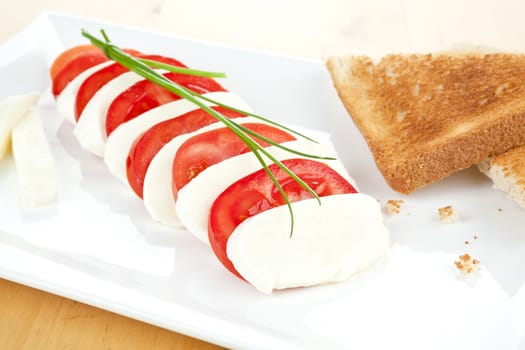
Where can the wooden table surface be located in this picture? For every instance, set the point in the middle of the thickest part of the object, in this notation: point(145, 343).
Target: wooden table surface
point(32, 319)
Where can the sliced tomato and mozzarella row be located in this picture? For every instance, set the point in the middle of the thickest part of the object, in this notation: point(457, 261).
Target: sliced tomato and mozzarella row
point(100, 95)
point(195, 199)
point(70, 92)
point(73, 62)
point(95, 81)
point(145, 95)
point(207, 146)
point(149, 143)
point(120, 142)
point(193, 172)
point(123, 99)
point(71, 68)
point(90, 129)
point(330, 242)
point(249, 228)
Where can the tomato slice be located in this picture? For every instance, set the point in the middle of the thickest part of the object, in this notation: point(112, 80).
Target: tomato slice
point(98, 79)
point(151, 141)
point(256, 193)
point(145, 95)
point(211, 147)
point(74, 61)
point(67, 56)
point(80, 63)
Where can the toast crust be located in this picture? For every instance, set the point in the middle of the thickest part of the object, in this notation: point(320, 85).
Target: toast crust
point(427, 116)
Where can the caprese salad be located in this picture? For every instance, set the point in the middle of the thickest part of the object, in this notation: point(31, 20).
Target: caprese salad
point(192, 171)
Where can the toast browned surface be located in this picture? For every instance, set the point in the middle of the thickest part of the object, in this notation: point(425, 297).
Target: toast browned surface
point(427, 116)
point(507, 171)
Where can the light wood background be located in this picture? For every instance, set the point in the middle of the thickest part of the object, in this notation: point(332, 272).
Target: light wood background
point(32, 319)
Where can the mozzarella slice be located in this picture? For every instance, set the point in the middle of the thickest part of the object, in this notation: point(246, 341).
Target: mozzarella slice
point(195, 199)
point(157, 194)
point(12, 110)
point(35, 168)
point(66, 101)
point(121, 140)
point(91, 127)
point(330, 242)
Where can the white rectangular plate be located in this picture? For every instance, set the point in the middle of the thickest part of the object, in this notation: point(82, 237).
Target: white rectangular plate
point(98, 245)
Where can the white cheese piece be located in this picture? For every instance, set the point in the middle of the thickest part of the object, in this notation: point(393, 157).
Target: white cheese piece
point(157, 194)
point(195, 199)
point(12, 110)
point(330, 242)
point(35, 168)
point(121, 140)
point(90, 129)
point(66, 101)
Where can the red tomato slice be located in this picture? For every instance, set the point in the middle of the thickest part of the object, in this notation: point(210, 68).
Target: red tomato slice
point(74, 61)
point(79, 64)
point(150, 142)
point(98, 79)
point(203, 150)
point(67, 56)
point(256, 193)
point(145, 95)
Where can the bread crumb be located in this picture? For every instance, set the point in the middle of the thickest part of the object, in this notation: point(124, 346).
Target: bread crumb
point(448, 214)
point(467, 265)
point(393, 206)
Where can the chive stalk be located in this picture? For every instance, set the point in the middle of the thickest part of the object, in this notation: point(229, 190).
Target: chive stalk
point(144, 68)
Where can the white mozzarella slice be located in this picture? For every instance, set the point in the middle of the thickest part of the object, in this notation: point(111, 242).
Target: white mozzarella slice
point(157, 194)
point(330, 242)
point(35, 167)
point(91, 127)
point(12, 110)
point(67, 99)
point(195, 199)
point(121, 140)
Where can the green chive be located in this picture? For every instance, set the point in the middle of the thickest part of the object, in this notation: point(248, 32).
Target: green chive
point(143, 68)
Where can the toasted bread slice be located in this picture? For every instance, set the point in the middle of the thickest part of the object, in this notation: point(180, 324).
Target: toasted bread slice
point(427, 116)
point(507, 171)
